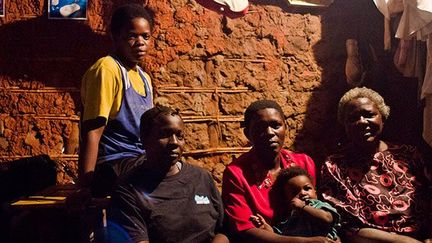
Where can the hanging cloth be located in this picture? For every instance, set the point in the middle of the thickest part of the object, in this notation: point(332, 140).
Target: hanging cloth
point(426, 95)
point(416, 20)
point(415, 24)
point(230, 8)
point(234, 5)
point(388, 8)
point(408, 58)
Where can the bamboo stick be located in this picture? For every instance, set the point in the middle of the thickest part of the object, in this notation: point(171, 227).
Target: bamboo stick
point(247, 60)
point(55, 59)
point(188, 119)
point(165, 89)
point(170, 89)
point(60, 117)
point(52, 156)
point(259, 59)
point(49, 116)
point(74, 157)
point(42, 90)
point(218, 150)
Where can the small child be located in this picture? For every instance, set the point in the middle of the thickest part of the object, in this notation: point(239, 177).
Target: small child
point(304, 215)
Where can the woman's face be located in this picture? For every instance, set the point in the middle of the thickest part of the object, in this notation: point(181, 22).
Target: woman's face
point(165, 142)
point(266, 132)
point(363, 121)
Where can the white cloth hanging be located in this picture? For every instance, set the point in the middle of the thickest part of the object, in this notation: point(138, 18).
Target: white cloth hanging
point(388, 8)
point(416, 20)
point(235, 5)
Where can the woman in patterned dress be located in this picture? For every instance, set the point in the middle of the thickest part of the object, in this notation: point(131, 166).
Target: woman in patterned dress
point(381, 189)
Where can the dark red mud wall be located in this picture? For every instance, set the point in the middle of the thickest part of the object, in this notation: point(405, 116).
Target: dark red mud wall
point(209, 66)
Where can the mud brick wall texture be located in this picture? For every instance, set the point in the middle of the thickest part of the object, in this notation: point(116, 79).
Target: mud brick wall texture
point(208, 66)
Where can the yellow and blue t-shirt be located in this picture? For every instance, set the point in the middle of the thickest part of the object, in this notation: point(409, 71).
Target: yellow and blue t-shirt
point(121, 95)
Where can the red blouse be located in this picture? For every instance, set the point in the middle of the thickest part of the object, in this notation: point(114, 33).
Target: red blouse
point(246, 189)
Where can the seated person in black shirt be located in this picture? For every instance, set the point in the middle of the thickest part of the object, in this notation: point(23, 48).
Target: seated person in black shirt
point(166, 199)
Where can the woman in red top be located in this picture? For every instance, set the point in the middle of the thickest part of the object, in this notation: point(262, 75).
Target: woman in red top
point(247, 182)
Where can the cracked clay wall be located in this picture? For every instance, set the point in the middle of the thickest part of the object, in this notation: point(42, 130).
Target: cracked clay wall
point(208, 66)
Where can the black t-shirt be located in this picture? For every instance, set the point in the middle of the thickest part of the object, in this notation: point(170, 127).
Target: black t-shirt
point(185, 207)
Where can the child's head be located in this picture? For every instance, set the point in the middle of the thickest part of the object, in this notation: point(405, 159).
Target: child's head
point(295, 182)
point(131, 30)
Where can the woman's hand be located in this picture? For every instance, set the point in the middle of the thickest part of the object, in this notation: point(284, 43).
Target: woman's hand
point(260, 222)
point(220, 238)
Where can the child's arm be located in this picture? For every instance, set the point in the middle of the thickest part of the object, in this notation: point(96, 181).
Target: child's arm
point(323, 215)
point(320, 214)
point(260, 222)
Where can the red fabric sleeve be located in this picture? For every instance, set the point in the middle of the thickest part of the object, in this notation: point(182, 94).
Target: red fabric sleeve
point(236, 206)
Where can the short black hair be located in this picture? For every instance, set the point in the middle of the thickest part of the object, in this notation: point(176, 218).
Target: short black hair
point(150, 116)
point(288, 173)
point(123, 15)
point(255, 106)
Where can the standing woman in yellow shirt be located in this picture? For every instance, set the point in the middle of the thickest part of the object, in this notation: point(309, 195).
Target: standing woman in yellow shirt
point(115, 92)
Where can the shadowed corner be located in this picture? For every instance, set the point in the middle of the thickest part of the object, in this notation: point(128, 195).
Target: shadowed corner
point(340, 21)
point(26, 176)
point(21, 178)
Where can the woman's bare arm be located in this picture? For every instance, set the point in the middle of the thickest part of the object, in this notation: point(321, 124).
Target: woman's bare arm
point(263, 236)
point(366, 235)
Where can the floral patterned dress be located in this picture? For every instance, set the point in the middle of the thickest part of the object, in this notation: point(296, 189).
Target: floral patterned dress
point(388, 191)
